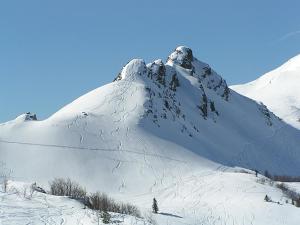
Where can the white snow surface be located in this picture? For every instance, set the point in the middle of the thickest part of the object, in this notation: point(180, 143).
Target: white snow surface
point(20, 206)
point(143, 136)
point(279, 90)
point(224, 196)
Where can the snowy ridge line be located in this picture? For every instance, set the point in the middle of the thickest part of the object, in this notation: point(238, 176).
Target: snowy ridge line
point(91, 149)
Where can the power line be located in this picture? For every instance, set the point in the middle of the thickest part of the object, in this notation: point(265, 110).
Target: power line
point(88, 149)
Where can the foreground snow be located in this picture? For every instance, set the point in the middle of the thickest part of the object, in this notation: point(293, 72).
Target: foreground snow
point(19, 207)
point(226, 196)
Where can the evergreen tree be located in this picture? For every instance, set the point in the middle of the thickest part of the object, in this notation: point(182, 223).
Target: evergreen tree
point(105, 217)
point(267, 174)
point(267, 198)
point(154, 206)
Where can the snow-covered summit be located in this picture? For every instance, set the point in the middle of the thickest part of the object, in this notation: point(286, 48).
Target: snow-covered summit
point(279, 90)
point(133, 68)
point(182, 56)
point(292, 64)
point(23, 118)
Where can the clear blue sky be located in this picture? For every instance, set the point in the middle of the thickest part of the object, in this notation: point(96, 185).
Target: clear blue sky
point(51, 52)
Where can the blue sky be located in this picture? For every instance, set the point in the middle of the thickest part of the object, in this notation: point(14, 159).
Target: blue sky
point(51, 52)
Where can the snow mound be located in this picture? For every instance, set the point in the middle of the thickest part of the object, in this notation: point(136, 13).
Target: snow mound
point(131, 70)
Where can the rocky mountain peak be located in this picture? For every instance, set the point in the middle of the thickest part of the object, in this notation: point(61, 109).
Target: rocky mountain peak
point(183, 56)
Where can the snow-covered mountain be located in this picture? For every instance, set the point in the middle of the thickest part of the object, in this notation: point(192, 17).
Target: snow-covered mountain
point(170, 130)
point(279, 90)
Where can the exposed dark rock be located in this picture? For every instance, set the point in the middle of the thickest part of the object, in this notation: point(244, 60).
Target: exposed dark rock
point(182, 56)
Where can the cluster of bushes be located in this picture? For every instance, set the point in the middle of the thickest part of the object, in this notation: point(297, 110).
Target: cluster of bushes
point(5, 175)
point(290, 193)
point(100, 201)
point(295, 196)
point(96, 201)
point(67, 187)
point(285, 178)
point(282, 178)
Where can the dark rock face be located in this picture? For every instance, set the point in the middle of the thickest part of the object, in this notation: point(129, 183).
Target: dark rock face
point(119, 77)
point(174, 82)
point(183, 56)
point(158, 71)
point(30, 117)
point(164, 81)
point(266, 113)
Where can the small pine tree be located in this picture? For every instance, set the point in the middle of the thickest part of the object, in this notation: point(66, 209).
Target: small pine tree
point(154, 206)
point(105, 217)
point(267, 174)
point(267, 198)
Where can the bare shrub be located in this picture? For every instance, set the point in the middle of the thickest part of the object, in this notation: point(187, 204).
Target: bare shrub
point(96, 201)
point(28, 192)
point(100, 201)
point(67, 187)
point(130, 210)
point(264, 181)
point(5, 175)
point(292, 194)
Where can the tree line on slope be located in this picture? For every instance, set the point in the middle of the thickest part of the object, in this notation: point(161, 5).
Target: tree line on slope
point(282, 178)
point(290, 193)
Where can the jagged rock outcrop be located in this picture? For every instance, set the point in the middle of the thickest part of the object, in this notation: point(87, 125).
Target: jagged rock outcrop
point(183, 56)
point(157, 71)
point(30, 116)
point(166, 80)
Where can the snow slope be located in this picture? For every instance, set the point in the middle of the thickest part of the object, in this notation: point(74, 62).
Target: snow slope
point(220, 197)
point(279, 90)
point(157, 130)
point(18, 206)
